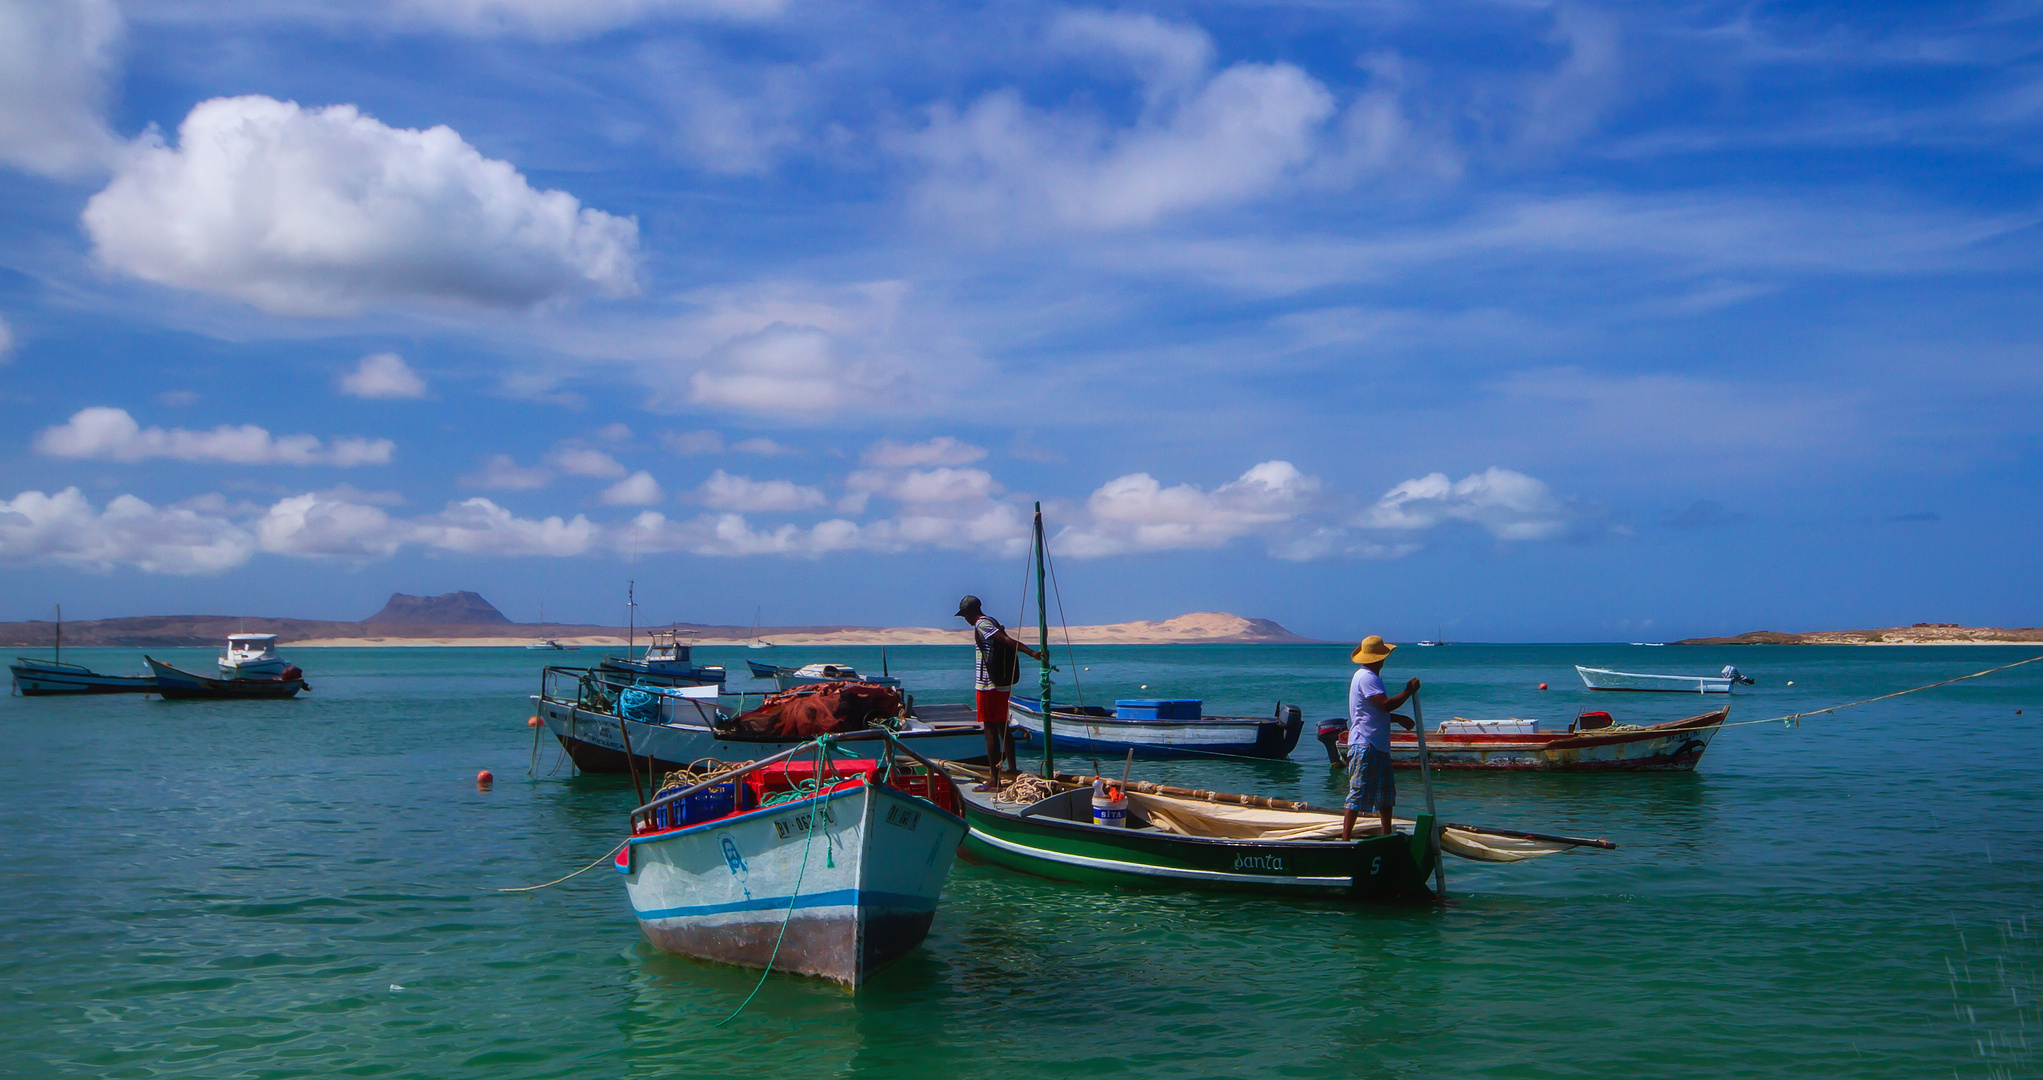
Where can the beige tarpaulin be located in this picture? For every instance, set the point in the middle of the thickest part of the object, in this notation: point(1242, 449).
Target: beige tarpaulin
point(1191, 817)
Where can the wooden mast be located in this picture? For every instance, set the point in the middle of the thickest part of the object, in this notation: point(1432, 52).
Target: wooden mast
point(1043, 644)
point(59, 658)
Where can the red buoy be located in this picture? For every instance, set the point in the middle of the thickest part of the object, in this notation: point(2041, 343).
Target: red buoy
point(484, 779)
point(531, 721)
point(1542, 686)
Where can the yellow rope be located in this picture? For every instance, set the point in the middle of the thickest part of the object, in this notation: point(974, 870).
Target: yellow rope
point(606, 855)
point(1898, 693)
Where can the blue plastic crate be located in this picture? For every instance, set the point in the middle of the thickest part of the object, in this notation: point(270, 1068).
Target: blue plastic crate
point(706, 805)
point(1157, 709)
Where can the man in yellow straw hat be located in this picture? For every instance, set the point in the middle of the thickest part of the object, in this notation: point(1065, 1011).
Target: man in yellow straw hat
point(1371, 785)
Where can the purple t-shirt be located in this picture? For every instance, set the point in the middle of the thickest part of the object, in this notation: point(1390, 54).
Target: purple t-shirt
point(1367, 724)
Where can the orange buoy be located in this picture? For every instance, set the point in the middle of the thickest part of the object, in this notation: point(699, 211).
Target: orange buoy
point(1542, 686)
point(484, 779)
point(531, 721)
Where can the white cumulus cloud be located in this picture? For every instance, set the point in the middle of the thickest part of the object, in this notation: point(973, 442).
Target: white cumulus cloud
point(500, 473)
point(108, 434)
point(383, 375)
point(577, 460)
point(64, 528)
point(324, 211)
point(638, 489)
point(1203, 139)
point(481, 527)
point(1509, 505)
point(316, 525)
point(942, 450)
point(742, 494)
point(58, 59)
point(1135, 513)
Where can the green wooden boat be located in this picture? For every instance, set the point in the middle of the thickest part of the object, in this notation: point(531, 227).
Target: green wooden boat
point(1055, 838)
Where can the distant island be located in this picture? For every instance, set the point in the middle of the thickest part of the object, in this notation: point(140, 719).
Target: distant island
point(465, 618)
point(1922, 633)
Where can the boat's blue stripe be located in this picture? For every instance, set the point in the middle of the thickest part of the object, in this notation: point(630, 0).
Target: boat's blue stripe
point(833, 898)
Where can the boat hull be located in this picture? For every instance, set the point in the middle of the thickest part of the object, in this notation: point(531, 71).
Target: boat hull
point(595, 742)
point(853, 897)
point(1230, 736)
point(43, 678)
point(1378, 868)
point(1672, 747)
point(658, 673)
point(1637, 682)
point(176, 685)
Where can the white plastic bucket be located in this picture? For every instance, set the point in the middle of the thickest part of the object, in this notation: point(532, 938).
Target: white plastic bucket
point(1112, 813)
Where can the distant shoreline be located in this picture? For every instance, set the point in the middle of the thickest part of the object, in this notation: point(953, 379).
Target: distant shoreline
point(1918, 634)
point(184, 631)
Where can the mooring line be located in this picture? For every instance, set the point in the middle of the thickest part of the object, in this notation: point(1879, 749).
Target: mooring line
point(605, 856)
point(1852, 704)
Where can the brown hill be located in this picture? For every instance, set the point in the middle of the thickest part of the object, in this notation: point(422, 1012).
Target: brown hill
point(448, 609)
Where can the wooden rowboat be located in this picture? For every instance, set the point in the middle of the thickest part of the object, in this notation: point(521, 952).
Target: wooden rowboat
point(1671, 747)
point(1093, 729)
point(1181, 839)
point(832, 872)
point(1638, 682)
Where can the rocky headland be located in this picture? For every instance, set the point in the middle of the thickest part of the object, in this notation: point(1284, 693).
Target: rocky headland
point(1918, 634)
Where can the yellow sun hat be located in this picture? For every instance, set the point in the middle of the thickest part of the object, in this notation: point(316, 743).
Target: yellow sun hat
point(1371, 650)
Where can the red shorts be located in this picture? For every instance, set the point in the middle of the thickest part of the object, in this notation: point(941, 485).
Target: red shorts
point(993, 709)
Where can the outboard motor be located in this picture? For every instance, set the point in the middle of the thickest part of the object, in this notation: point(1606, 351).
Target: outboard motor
point(1330, 731)
point(1731, 672)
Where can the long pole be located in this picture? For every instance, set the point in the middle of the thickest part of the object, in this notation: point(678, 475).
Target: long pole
point(630, 615)
point(1426, 781)
point(1043, 639)
point(60, 634)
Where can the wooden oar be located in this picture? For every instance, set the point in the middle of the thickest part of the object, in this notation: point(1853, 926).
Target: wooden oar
point(1426, 780)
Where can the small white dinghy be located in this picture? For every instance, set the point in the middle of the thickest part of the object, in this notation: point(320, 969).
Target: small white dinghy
point(826, 868)
point(1605, 679)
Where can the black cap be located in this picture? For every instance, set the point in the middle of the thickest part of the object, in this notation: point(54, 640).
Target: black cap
point(967, 604)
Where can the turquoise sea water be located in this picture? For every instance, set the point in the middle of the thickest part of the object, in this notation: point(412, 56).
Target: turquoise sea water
point(273, 889)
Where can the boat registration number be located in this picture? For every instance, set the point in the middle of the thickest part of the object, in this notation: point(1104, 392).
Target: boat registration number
point(904, 817)
point(800, 823)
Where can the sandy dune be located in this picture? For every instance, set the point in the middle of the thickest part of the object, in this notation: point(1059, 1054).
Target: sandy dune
point(1198, 628)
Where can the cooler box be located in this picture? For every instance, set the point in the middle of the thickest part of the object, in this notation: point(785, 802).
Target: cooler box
point(1157, 709)
point(1458, 726)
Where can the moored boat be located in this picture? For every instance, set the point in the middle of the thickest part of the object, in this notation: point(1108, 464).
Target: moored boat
point(1136, 725)
point(551, 645)
point(666, 728)
point(43, 678)
point(1226, 843)
point(827, 868)
point(665, 662)
point(251, 656)
point(1591, 743)
point(812, 674)
point(175, 684)
point(1606, 679)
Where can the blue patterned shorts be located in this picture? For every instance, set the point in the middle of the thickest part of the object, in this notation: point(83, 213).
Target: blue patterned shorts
point(1372, 787)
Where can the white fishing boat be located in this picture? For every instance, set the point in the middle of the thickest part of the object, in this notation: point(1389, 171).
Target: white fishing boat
point(251, 656)
point(673, 726)
point(825, 868)
point(666, 661)
point(1605, 679)
point(550, 645)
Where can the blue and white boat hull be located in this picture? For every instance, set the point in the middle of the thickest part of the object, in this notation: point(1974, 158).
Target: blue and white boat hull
point(1230, 736)
point(857, 895)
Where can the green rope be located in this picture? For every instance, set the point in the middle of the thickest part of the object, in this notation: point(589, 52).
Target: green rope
point(815, 826)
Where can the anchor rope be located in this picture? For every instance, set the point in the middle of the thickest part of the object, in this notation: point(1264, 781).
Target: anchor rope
point(808, 838)
point(1794, 717)
point(599, 861)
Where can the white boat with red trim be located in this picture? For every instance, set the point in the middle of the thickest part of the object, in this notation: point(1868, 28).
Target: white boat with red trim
point(830, 869)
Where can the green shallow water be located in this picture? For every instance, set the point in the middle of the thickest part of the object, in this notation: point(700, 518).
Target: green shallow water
point(240, 889)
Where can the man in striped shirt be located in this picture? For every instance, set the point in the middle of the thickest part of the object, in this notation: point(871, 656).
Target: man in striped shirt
point(994, 673)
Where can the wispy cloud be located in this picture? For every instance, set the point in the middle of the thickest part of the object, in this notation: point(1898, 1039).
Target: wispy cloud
point(109, 434)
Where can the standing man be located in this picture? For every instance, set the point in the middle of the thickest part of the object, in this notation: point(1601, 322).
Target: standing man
point(1371, 784)
point(994, 674)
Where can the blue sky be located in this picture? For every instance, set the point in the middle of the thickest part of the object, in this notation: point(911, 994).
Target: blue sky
point(1510, 321)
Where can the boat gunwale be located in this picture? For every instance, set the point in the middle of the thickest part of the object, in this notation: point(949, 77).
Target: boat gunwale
point(1102, 721)
point(850, 786)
